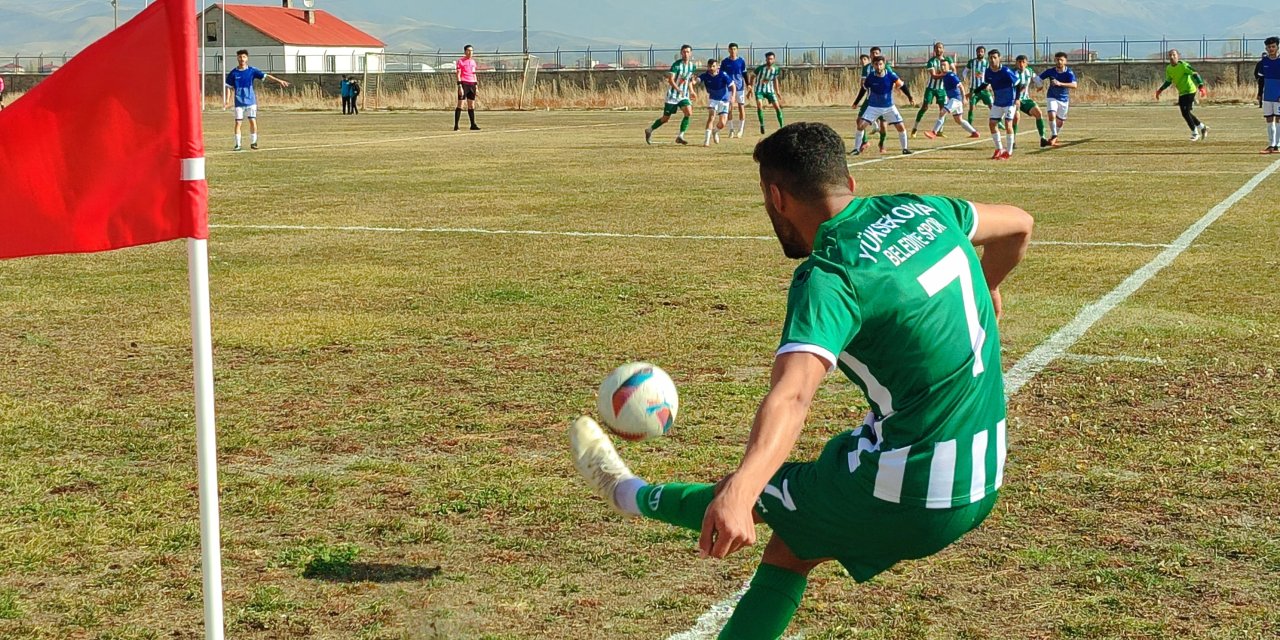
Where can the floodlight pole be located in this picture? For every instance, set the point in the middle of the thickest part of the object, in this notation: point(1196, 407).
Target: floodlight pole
point(115, 12)
point(526, 28)
point(1035, 44)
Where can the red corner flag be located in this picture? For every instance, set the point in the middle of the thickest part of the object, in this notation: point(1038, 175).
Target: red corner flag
point(107, 152)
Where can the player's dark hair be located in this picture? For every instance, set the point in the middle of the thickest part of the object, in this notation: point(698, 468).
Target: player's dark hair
point(1270, 41)
point(877, 59)
point(874, 50)
point(733, 45)
point(993, 52)
point(711, 61)
point(1020, 58)
point(805, 159)
point(685, 46)
point(861, 56)
point(980, 50)
point(465, 47)
point(244, 52)
point(1060, 54)
point(770, 54)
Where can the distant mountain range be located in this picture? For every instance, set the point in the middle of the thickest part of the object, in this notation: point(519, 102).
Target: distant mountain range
point(54, 26)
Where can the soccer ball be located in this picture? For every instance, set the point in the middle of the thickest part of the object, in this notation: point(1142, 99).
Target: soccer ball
point(638, 401)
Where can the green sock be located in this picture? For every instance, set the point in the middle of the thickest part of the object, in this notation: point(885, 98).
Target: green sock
point(778, 111)
point(1015, 127)
point(678, 503)
point(766, 609)
point(882, 137)
point(656, 123)
point(970, 112)
point(1040, 126)
point(920, 116)
point(684, 124)
point(760, 114)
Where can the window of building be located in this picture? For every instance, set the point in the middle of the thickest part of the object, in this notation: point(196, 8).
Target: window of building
point(331, 64)
point(302, 64)
point(211, 32)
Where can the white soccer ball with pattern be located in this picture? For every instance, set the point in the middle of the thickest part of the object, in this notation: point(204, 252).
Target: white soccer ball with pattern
point(638, 401)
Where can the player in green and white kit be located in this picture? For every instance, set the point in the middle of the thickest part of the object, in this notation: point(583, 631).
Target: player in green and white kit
point(934, 93)
point(1026, 104)
point(765, 79)
point(892, 293)
point(679, 95)
point(974, 72)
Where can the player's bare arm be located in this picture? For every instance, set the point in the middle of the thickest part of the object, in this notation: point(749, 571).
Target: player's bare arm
point(1003, 231)
point(728, 525)
point(283, 83)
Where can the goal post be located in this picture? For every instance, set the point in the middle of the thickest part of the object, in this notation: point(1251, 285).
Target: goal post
point(529, 81)
point(373, 69)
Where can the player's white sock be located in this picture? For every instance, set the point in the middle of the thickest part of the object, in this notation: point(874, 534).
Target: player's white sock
point(253, 138)
point(967, 127)
point(627, 495)
point(857, 140)
point(1275, 134)
point(937, 126)
point(999, 141)
point(1012, 136)
point(902, 138)
point(706, 141)
point(1053, 125)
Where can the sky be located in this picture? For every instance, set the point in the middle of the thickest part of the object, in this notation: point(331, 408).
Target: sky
point(51, 25)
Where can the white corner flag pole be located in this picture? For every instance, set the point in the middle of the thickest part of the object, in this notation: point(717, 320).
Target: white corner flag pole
point(206, 442)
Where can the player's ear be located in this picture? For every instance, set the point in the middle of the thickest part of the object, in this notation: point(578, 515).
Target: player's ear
point(853, 184)
point(774, 194)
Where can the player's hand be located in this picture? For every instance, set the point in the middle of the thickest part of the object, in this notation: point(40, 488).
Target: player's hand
point(284, 83)
point(727, 526)
point(997, 303)
point(1157, 94)
point(1204, 92)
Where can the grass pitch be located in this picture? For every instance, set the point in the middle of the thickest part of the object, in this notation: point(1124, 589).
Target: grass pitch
point(391, 403)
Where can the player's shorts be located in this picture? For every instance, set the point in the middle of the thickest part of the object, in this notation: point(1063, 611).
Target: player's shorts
point(466, 91)
point(250, 112)
point(983, 96)
point(1026, 105)
point(890, 114)
point(821, 511)
point(719, 107)
point(954, 106)
point(1003, 113)
point(1058, 108)
point(766, 95)
point(742, 94)
point(935, 96)
point(1270, 109)
point(670, 108)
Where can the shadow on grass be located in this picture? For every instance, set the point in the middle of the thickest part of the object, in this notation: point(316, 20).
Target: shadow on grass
point(379, 572)
point(1063, 145)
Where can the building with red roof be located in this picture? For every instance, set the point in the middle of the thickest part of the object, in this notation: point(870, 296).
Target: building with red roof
point(284, 38)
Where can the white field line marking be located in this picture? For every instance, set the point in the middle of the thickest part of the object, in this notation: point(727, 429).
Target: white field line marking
point(1175, 172)
point(1052, 348)
point(452, 134)
point(1057, 344)
point(709, 623)
point(1092, 359)
point(886, 158)
point(593, 234)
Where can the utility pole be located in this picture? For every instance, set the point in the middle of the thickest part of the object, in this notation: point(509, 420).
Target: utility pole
point(526, 28)
point(1035, 44)
point(115, 12)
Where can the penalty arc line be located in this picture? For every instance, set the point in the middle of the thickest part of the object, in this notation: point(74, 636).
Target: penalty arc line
point(1051, 349)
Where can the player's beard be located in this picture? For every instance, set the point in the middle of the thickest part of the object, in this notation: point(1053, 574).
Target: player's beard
point(793, 245)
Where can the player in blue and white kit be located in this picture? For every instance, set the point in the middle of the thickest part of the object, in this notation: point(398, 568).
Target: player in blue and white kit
point(1004, 83)
point(1268, 73)
point(721, 94)
point(880, 85)
point(1061, 81)
point(953, 87)
point(240, 83)
point(736, 68)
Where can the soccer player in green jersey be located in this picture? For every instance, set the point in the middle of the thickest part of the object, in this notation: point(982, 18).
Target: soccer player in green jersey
point(933, 91)
point(1026, 77)
point(973, 74)
point(1182, 77)
point(765, 80)
point(892, 293)
point(679, 95)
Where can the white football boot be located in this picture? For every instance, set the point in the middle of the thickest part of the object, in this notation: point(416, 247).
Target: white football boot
point(597, 461)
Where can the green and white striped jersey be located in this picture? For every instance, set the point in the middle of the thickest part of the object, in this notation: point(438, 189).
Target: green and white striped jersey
point(1025, 78)
point(683, 73)
point(894, 295)
point(974, 72)
point(935, 64)
point(766, 78)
